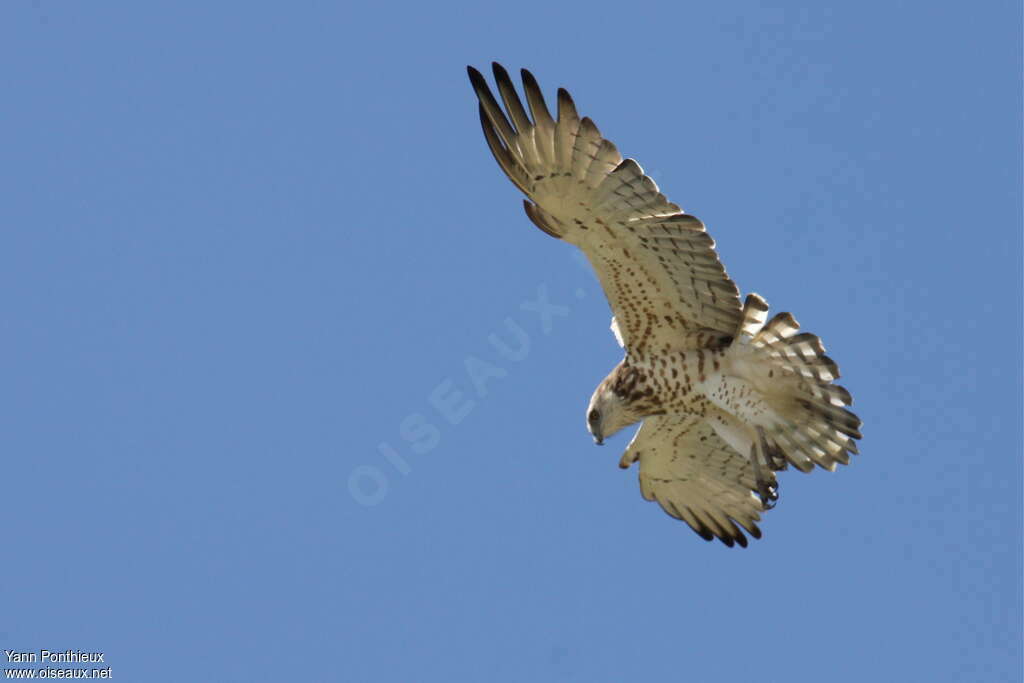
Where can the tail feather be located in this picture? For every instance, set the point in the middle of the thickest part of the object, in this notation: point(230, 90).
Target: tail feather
point(755, 312)
point(780, 327)
point(797, 441)
point(814, 426)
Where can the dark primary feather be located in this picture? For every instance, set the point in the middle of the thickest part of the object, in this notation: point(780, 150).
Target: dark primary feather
point(657, 265)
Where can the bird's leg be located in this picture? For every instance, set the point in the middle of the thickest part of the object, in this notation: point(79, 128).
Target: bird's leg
point(777, 460)
point(763, 464)
point(773, 455)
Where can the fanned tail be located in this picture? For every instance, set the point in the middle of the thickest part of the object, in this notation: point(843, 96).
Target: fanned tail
point(813, 425)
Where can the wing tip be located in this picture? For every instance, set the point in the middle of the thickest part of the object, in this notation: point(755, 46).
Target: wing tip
point(500, 73)
point(565, 101)
point(475, 77)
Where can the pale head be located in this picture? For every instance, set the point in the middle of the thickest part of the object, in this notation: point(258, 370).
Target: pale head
point(608, 412)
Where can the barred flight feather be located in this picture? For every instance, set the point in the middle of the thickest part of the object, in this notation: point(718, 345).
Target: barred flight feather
point(726, 399)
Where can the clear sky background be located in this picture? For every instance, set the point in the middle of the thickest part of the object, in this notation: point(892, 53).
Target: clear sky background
point(248, 250)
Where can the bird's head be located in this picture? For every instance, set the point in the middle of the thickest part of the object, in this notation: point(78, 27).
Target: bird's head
point(609, 411)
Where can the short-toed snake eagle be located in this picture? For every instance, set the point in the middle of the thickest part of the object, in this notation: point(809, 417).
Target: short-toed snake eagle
point(725, 398)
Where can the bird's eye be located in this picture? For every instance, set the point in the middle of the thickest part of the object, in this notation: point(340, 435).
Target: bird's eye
point(594, 416)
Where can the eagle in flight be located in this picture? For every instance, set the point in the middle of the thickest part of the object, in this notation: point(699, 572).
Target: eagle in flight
point(725, 398)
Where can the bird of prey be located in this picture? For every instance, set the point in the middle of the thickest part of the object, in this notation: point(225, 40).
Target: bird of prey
point(725, 398)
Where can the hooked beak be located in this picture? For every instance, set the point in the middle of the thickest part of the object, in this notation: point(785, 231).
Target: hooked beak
point(594, 426)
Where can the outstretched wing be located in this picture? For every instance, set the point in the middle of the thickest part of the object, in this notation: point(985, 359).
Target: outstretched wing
point(696, 477)
point(657, 265)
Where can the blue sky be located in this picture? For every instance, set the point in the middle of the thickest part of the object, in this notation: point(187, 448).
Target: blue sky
point(252, 251)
